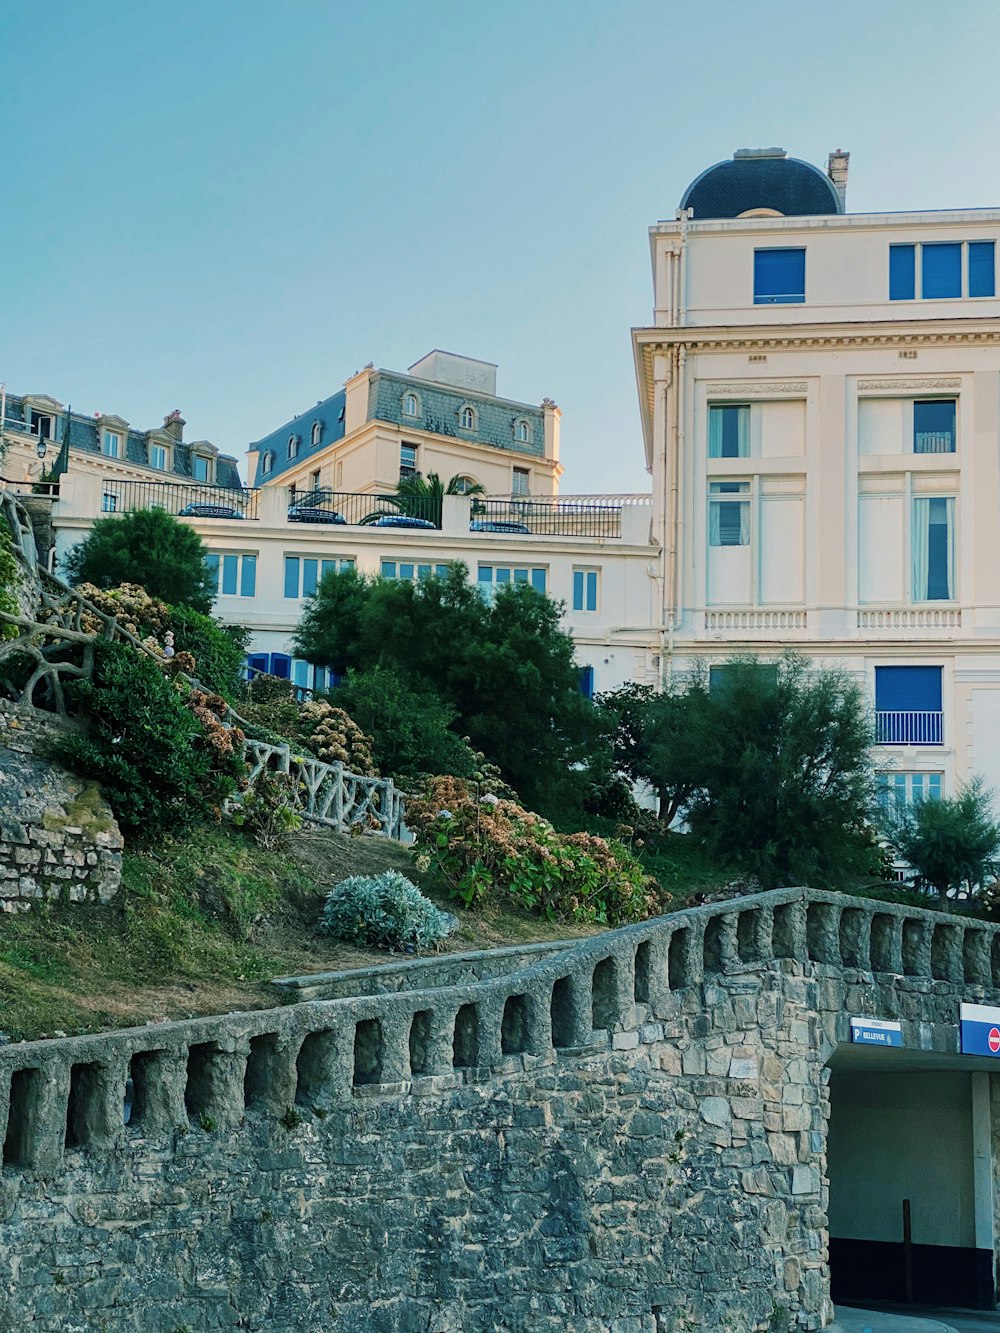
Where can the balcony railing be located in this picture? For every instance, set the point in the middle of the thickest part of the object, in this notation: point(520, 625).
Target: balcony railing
point(919, 618)
point(543, 517)
point(360, 509)
point(186, 499)
point(909, 728)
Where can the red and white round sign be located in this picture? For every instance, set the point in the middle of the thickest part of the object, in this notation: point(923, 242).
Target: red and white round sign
point(994, 1040)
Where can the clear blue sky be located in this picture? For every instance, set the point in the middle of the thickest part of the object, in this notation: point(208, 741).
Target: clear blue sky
point(229, 207)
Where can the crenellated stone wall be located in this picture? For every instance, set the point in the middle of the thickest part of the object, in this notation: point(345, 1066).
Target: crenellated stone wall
point(627, 1136)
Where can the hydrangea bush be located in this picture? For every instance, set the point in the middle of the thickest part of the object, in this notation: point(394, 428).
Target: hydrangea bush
point(384, 911)
point(484, 846)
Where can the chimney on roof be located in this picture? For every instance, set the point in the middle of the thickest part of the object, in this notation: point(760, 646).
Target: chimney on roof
point(836, 168)
point(174, 425)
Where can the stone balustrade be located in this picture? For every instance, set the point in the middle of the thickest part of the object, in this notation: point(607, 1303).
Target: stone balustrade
point(93, 1092)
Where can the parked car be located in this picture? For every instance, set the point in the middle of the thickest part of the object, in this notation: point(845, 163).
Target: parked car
point(209, 511)
point(311, 513)
point(402, 521)
point(498, 525)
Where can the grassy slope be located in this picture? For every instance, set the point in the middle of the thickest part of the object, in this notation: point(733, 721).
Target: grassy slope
point(201, 926)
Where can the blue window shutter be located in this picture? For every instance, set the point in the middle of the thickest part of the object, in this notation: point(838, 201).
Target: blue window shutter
point(328, 567)
point(592, 590)
point(908, 689)
point(257, 662)
point(779, 277)
point(538, 580)
point(291, 576)
point(982, 268)
point(502, 575)
point(281, 665)
point(248, 576)
point(902, 272)
point(587, 682)
point(388, 569)
point(520, 576)
point(230, 574)
point(485, 574)
point(577, 589)
point(300, 673)
point(941, 270)
point(406, 571)
point(212, 561)
point(309, 576)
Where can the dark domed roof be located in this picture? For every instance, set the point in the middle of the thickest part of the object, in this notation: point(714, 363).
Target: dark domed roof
point(761, 179)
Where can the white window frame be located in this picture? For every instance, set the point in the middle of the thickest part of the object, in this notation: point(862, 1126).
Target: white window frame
point(209, 461)
point(109, 449)
point(219, 555)
point(342, 562)
point(166, 457)
point(516, 473)
point(586, 571)
point(267, 463)
point(315, 434)
point(468, 418)
point(410, 398)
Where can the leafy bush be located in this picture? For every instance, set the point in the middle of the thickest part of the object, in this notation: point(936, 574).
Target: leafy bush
point(161, 766)
point(483, 846)
point(335, 738)
point(266, 814)
point(8, 583)
point(384, 911)
point(952, 843)
point(149, 547)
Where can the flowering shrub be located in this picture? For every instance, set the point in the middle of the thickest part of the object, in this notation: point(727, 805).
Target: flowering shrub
point(483, 847)
point(384, 911)
point(334, 738)
point(265, 811)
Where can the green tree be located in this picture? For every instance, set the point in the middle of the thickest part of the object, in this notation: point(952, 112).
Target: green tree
point(423, 497)
point(149, 547)
point(503, 668)
point(654, 737)
point(952, 843)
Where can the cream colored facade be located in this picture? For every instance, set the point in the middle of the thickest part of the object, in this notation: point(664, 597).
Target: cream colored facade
point(825, 543)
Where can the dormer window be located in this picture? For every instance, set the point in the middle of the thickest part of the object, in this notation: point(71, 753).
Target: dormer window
point(411, 406)
point(111, 444)
point(467, 418)
point(201, 467)
point(293, 446)
point(317, 431)
point(522, 432)
point(267, 463)
point(159, 457)
point(41, 425)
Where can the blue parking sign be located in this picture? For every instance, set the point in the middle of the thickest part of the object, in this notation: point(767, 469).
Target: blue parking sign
point(876, 1032)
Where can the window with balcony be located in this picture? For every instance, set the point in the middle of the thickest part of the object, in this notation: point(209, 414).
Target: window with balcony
point(946, 269)
point(729, 430)
point(492, 577)
point(111, 444)
point(407, 569)
point(895, 788)
point(934, 426)
point(407, 460)
point(586, 589)
point(908, 707)
point(233, 573)
point(303, 573)
point(729, 519)
point(109, 503)
point(779, 277)
point(933, 549)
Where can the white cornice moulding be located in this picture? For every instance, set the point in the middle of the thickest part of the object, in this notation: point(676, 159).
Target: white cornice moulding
point(908, 383)
point(770, 387)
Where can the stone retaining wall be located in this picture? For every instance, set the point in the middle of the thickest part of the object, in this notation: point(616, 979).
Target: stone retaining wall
point(625, 1137)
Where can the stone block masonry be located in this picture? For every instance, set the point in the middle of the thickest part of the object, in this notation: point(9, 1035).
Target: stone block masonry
point(625, 1137)
point(58, 838)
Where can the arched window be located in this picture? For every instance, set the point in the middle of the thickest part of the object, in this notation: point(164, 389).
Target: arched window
point(468, 418)
point(463, 485)
point(410, 405)
point(267, 463)
point(317, 431)
point(293, 446)
point(522, 432)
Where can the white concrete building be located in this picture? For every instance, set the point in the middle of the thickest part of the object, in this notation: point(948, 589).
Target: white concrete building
point(820, 397)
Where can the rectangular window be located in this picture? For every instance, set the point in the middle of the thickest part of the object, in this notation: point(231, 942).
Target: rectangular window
point(587, 682)
point(982, 268)
point(895, 789)
point(934, 426)
point(109, 503)
point(407, 460)
point(585, 587)
point(933, 542)
point(201, 467)
point(304, 573)
point(779, 277)
point(948, 269)
point(40, 424)
point(729, 430)
point(158, 457)
point(940, 270)
point(520, 484)
point(729, 520)
point(406, 569)
point(111, 445)
point(234, 574)
point(491, 577)
point(908, 705)
point(902, 272)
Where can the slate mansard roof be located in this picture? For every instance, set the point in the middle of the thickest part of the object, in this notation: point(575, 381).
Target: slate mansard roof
point(761, 180)
point(84, 434)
